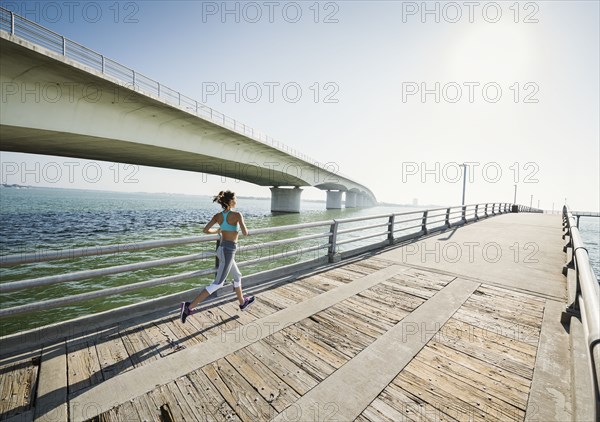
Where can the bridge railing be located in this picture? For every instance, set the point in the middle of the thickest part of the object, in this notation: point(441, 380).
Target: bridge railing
point(18, 26)
point(583, 298)
point(322, 242)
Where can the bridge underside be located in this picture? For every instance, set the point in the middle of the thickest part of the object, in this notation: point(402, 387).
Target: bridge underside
point(55, 106)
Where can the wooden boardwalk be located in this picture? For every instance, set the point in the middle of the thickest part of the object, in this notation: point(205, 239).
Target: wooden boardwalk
point(389, 336)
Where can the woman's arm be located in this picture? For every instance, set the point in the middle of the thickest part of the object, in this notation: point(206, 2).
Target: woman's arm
point(212, 222)
point(243, 225)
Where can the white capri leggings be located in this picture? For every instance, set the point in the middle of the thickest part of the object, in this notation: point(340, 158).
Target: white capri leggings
point(226, 255)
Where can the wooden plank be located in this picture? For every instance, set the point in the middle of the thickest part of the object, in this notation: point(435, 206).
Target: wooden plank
point(498, 325)
point(519, 297)
point(272, 298)
point(455, 328)
point(411, 409)
point(340, 327)
point(512, 381)
point(338, 342)
point(325, 283)
point(396, 310)
point(113, 356)
point(397, 288)
point(306, 360)
point(187, 335)
point(138, 346)
point(354, 320)
point(491, 405)
point(496, 310)
point(290, 293)
point(260, 309)
point(429, 275)
point(304, 338)
point(203, 398)
point(298, 290)
point(415, 407)
point(363, 270)
point(233, 310)
point(162, 337)
point(437, 400)
point(480, 381)
point(384, 310)
point(417, 291)
point(508, 302)
point(417, 283)
point(124, 412)
point(402, 302)
point(240, 395)
point(370, 309)
point(146, 409)
point(491, 353)
point(379, 411)
point(309, 288)
point(341, 274)
point(169, 396)
point(83, 367)
point(18, 381)
point(220, 319)
point(293, 375)
point(275, 391)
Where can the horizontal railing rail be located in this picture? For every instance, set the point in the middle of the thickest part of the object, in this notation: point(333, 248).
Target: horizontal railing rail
point(340, 232)
point(584, 297)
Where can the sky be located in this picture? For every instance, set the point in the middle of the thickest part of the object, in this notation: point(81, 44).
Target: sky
point(397, 94)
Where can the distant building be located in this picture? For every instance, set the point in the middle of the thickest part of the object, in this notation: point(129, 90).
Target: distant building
point(415, 201)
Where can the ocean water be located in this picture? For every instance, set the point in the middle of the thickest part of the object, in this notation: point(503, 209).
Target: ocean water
point(42, 220)
point(49, 219)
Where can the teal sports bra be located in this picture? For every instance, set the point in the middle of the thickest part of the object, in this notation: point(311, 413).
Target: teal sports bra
point(225, 226)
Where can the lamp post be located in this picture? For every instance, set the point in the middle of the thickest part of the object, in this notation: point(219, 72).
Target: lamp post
point(464, 182)
point(531, 202)
point(515, 200)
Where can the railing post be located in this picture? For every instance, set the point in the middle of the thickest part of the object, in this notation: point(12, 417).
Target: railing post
point(12, 23)
point(333, 255)
point(447, 217)
point(424, 223)
point(485, 212)
point(464, 214)
point(133, 78)
point(391, 229)
point(476, 211)
point(216, 257)
point(64, 45)
point(103, 65)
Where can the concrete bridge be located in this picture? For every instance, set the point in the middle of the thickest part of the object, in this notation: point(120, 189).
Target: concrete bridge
point(60, 98)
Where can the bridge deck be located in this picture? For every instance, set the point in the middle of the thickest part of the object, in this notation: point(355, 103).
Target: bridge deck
point(406, 334)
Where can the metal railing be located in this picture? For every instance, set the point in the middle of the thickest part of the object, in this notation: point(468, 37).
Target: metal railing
point(30, 31)
point(583, 297)
point(391, 229)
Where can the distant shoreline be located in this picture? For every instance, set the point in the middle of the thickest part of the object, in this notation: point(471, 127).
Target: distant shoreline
point(260, 198)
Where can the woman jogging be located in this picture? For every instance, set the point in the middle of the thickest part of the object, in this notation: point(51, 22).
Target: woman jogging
point(229, 222)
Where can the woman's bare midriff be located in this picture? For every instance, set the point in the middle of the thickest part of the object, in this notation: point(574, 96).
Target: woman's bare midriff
point(231, 236)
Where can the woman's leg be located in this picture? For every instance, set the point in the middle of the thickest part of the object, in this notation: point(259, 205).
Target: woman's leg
point(225, 263)
point(237, 282)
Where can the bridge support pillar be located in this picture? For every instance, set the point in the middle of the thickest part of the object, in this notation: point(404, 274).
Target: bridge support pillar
point(285, 200)
point(350, 199)
point(334, 200)
point(360, 200)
